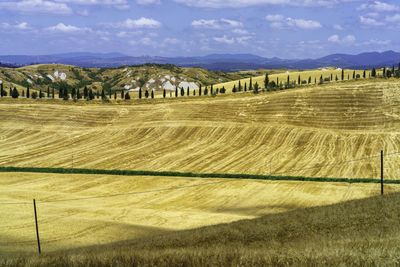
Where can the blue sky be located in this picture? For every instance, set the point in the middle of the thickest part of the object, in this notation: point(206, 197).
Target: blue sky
point(270, 28)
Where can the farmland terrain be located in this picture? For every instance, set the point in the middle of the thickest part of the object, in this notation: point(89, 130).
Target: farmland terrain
point(329, 130)
point(286, 132)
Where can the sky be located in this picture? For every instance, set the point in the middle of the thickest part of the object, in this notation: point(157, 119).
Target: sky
point(270, 28)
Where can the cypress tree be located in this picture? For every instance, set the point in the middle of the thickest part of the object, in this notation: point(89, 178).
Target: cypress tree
point(127, 96)
point(373, 72)
point(234, 88)
point(52, 92)
point(212, 89)
point(2, 90)
point(27, 91)
point(354, 75)
point(384, 72)
point(48, 92)
point(277, 81)
point(140, 93)
point(176, 91)
point(365, 74)
point(90, 95)
point(256, 88)
point(14, 93)
point(321, 80)
point(206, 91)
point(309, 80)
point(65, 94)
point(78, 94)
point(10, 93)
point(251, 84)
point(61, 93)
point(266, 81)
point(122, 94)
point(288, 80)
point(240, 87)
point(245, 87)
point(115, 95)
point(299, 80)
point(86, 93)
point(342, 74)
point(182, 91)
point(200, 90)
point(164, 93)
point(152, 94)
point(40, 93)
point(393, 69)
point(194, 92)
point(103, 94)
point(146, 94)
point(23, 93)
point(73, 93)
point(336, 79)
point(188, 93)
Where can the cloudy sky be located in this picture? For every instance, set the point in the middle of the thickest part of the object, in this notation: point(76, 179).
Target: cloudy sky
point(270, 28)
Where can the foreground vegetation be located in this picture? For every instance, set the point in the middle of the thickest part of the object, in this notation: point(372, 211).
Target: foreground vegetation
point(355, 233)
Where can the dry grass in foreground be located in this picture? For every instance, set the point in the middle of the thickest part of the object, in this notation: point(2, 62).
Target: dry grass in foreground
point(357, 233)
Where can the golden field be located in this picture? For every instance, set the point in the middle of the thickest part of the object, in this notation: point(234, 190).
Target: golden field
point(271, 133)
point(129, 208)
point(288, 132)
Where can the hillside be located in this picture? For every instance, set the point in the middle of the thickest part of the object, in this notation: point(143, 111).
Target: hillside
point(330, 130)
point(276, 132)
point(357, 233)
point(149, 76)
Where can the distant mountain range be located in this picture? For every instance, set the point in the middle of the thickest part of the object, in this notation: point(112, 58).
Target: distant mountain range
point(224, 62)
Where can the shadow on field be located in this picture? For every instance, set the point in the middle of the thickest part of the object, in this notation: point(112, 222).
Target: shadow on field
point(359, 233)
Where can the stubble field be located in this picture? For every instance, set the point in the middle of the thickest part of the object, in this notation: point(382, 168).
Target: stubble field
point(289, 132)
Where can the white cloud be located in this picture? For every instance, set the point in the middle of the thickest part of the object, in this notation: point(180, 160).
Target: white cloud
point(374, 42)
point(148, 2)
point(276, 17)
point(61, 27)
point(120, 4)
point(240, 31)
point(370, 21)
point(280, 22)
point(394, 18)
point(216, 24)
point(378, 6)
point(349, 39)
point(136, 24)
point(224, 39)
point(36, 6)
point(243, 39)
point(20, 26)
point(338, 27)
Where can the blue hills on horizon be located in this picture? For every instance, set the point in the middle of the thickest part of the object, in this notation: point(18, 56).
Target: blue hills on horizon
point(224, 62)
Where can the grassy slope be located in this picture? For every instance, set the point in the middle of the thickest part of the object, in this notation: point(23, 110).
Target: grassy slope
point(357, 233)
point(245, 133)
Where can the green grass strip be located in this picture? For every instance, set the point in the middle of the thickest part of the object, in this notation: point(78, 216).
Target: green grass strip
point(194, 175)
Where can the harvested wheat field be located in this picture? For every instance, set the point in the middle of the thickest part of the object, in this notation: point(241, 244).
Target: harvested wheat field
point(333, 130)
point(77, 211)
point(290, 132)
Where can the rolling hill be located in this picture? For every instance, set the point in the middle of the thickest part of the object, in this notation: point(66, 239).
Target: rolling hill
point(149, 76)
